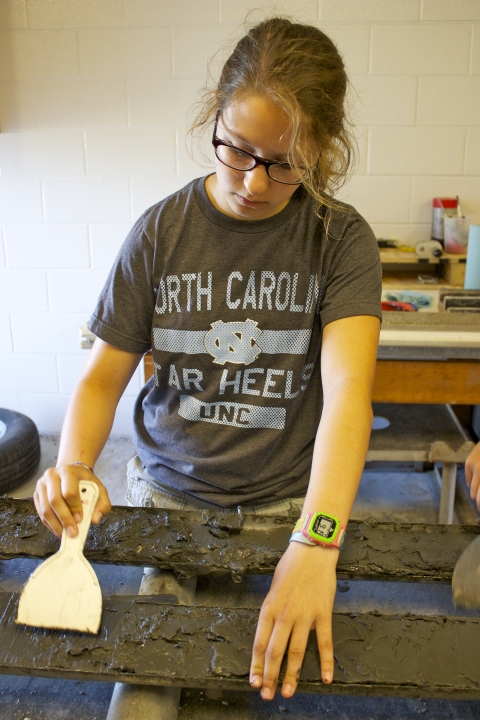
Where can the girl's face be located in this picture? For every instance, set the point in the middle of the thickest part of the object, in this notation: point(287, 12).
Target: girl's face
point(256, 125)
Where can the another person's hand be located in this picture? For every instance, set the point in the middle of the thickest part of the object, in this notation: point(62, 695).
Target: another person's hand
point(300, 599)
point(472, 474)
point(57, 499)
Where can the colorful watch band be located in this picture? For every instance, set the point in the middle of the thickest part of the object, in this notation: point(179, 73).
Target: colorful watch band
point(318, 528)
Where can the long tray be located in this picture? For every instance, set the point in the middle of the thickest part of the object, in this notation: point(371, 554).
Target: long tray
point(222, 543)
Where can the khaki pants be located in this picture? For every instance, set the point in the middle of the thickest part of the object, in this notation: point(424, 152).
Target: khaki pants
point(143, 490)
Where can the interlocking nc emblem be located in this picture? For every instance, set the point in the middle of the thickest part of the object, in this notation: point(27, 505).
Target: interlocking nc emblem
point(233, 342)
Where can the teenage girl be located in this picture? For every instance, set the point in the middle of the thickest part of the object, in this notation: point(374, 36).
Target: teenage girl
point(259, 296)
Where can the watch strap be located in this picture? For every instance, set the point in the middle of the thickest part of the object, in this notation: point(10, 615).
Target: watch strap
point(300, 537)
point(301, 531)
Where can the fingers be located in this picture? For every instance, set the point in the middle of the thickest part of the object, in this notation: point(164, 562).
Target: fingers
point(103, 505)
point(472, 474)
point(475, 485)
point(475, 490)
point(296, 653)
point(52, 506)
point(271, 640)
point(472, 477)
point(42, 505)
point(57, 499)
point(325, 648)
point(301, 598)
point(268, 653)
point(469, 468)
point(260, 648)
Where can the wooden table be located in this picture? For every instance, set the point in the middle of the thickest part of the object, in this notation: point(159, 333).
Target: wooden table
point(416, 381)
point(429, 358)
point(425, 362)
point(413, 380)
point(421, 381)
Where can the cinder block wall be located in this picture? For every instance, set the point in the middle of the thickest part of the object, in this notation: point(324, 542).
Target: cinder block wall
point(93, 100)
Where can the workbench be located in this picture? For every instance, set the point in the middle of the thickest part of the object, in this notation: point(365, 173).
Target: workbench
point(425, 356)
point(428, 358)
point(422, 359)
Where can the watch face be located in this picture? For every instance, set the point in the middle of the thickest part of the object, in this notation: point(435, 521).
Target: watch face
point(324, 526)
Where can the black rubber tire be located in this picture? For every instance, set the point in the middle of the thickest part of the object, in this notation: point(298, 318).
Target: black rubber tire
point(19, 448)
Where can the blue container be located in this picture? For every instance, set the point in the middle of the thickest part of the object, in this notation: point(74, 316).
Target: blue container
point(472, 272)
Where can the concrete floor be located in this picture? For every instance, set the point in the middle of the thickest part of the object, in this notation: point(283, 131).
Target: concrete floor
point(387, 491)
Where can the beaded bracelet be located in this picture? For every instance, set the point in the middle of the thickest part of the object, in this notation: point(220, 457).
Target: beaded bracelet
point(84, 465)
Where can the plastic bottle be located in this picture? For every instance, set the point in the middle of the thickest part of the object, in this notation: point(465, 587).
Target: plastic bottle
point(441, 206)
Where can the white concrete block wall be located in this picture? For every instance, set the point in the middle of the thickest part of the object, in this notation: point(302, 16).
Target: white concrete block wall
point(93, 102)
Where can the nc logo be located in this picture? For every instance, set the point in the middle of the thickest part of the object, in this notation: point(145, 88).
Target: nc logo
point(233, 342)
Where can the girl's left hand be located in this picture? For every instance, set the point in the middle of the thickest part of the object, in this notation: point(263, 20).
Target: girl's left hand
point(300, 599)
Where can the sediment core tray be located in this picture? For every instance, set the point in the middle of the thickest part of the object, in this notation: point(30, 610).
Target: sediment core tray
point(143, 640)
point(220, 543)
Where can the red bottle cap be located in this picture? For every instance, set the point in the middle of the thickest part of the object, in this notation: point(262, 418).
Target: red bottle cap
point(445, 202)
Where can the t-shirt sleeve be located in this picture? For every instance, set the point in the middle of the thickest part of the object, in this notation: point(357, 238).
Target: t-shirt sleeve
point(353, 282)
point(125, 308)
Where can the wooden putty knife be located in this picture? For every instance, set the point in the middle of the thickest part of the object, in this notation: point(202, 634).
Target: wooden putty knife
point(466, 577)
point(63, 593)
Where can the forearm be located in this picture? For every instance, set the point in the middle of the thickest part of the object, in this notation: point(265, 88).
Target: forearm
point(91, 410)
point(87, 423)
point(303, 589)
point(340, 450)
point(86, 427)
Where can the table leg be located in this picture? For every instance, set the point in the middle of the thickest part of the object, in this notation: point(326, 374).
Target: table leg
point(447, 496)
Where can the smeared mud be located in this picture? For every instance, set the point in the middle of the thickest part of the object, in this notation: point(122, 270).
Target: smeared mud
point(219, 543)
point(142, 640)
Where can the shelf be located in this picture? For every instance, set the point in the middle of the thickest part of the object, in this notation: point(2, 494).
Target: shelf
point(391, 256)
point(410, 281)
point(400, 269)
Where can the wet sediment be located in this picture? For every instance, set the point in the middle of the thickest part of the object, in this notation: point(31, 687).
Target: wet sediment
point(219, 543)
point(143, 640)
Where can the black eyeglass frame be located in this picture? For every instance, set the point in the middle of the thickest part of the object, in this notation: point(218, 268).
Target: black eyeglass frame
point(216, 142)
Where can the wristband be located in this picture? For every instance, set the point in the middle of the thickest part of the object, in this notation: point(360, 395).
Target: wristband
point(84, 465)
point(317, 528)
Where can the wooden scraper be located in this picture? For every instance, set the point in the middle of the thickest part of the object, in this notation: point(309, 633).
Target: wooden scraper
point(63, 593)
point(466, 577)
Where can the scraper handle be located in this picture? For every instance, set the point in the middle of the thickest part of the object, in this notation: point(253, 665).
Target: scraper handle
point(89, 495)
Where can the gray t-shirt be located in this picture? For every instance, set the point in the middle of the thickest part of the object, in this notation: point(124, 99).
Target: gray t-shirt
point(233, 312)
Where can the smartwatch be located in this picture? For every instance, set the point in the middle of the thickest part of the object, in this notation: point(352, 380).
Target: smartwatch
point(318, 528)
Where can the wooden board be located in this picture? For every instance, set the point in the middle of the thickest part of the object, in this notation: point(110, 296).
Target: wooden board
point(403, 337)
point(389, 256)
point(453, 273)
point(422, 381)
point(143, 640)
point(195, 543)
point(406, 277)
point(415, 381)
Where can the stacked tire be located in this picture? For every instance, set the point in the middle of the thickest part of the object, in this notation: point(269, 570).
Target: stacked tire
point(19, 449)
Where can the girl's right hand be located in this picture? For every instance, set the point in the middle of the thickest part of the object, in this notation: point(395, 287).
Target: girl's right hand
point(472, 474)
point(57, 499)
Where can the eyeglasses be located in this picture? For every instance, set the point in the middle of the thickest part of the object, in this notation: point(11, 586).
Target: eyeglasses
point(237, 159)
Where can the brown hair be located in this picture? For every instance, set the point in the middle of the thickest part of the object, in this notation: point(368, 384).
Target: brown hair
point(298, 68)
